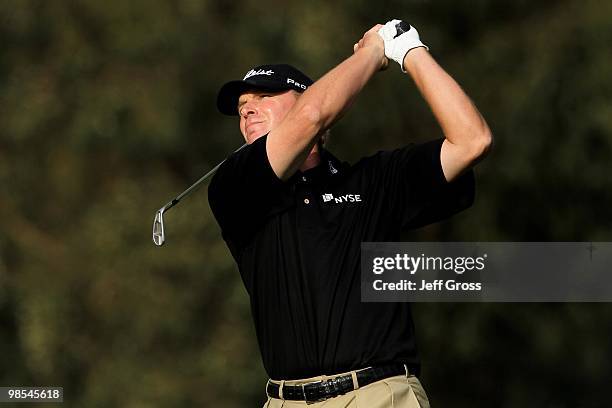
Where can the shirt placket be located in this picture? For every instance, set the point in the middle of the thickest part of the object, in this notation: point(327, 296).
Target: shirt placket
point(306, 201)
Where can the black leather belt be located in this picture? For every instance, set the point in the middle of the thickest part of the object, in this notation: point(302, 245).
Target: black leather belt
point(321, 390)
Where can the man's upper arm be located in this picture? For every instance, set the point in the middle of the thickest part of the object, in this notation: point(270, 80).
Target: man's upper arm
point(291, 141)
point(452, 159)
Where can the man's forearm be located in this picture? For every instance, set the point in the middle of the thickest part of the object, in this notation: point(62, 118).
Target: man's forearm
point(461, 122)
point(334, 92)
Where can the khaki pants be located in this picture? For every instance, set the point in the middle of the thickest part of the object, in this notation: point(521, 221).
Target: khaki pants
point(393, 392)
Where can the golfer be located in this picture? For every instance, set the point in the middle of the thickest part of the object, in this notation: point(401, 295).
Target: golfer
point(294, 216)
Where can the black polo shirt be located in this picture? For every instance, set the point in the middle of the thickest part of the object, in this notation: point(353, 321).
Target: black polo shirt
point(297, 246)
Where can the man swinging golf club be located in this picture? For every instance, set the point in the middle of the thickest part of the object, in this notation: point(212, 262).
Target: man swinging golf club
point(293, 217)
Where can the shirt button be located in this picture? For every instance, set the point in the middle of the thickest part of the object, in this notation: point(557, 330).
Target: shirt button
point(306, 201)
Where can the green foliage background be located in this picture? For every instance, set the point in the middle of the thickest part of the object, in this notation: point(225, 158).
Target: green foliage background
point(107, 110)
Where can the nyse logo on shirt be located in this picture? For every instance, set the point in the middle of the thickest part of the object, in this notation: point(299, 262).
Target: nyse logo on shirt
point(345, 198)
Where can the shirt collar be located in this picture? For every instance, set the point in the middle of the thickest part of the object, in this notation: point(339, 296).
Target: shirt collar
point(330, 166)
point(333, 165)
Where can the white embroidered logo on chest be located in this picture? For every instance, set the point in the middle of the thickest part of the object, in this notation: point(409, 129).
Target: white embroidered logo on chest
point(345, 198)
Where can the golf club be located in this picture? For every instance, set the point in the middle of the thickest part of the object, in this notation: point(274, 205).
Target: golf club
point(158, 223)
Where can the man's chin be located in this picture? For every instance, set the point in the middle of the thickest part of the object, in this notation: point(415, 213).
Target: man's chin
point(253, 136)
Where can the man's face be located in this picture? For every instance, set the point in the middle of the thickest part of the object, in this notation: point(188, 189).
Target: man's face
point(261, 111)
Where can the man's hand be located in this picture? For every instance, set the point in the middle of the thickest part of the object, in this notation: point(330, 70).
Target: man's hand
point(372, 40)
point(399, 37)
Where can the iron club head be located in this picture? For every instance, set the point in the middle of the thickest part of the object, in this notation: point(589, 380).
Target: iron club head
point(158, 228)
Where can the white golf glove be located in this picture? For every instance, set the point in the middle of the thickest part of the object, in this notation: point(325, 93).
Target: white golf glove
point(399, 37)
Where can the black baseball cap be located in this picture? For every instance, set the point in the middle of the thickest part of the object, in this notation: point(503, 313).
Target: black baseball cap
point(273, 78)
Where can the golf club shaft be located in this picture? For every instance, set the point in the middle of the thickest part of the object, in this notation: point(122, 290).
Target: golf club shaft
point(195, 185)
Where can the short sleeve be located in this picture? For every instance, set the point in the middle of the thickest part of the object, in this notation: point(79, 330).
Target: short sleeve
point(243, 192)
point(416, 188)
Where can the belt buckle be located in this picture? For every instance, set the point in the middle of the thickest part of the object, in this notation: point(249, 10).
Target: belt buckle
point(329, 389)
point(311, 401)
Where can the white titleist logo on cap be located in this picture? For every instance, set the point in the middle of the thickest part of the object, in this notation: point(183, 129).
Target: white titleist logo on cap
point(258, 72)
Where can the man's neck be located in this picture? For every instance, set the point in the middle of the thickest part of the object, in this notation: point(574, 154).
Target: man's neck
point(313, 160)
